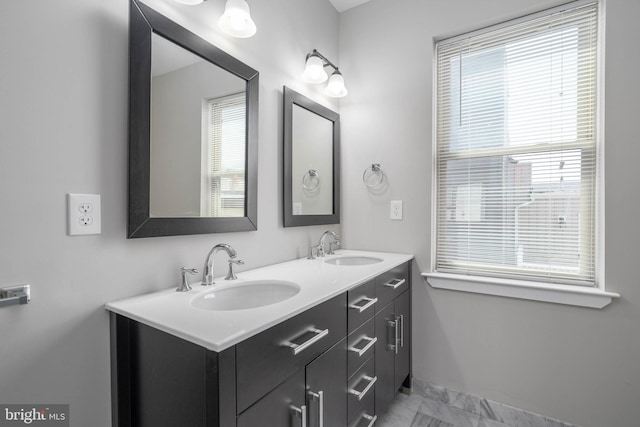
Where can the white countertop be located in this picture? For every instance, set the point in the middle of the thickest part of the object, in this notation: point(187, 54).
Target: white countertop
point(172, 312)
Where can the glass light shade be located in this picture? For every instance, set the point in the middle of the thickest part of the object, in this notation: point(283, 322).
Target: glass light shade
point(336, 87)
point(189, 2)
point(236, 20)
point(314, 70)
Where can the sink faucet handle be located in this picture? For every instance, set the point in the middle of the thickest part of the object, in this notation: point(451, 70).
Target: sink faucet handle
point(184, 284)
point(230, 274)
point(310, 254)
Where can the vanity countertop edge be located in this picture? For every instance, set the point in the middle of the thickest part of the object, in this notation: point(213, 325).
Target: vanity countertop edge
point(172, 312)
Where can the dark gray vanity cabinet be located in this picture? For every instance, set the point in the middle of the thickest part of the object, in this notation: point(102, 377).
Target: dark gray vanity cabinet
point(393, 332)
point(336, 364)
point(316, 392)
point(392, 350)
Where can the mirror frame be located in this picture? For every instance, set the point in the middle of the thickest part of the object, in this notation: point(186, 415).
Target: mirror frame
point(143, 22)
point(290, 98)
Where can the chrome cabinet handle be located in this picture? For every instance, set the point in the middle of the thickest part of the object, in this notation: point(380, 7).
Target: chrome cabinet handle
point(396, 339)
point(364, 349)
point(392, 335)
point(302, 413)
point(372, 419)
point(361, 394)
point(361, 308)
point(400, 317)
point(297, 348)
point(395, 283)
point(320, 396)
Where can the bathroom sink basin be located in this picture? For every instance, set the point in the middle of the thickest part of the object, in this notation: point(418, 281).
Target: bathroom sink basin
point(246, 295)
point(353, 260)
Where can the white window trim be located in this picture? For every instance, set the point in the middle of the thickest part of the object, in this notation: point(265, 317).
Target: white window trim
point(592, 297)
point(581, 296)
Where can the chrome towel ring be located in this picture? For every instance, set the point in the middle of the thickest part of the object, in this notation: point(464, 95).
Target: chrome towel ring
point(312, 182)
point(375, 169)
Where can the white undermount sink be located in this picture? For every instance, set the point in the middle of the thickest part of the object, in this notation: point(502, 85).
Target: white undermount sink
point(353, 260)
point(246, 295)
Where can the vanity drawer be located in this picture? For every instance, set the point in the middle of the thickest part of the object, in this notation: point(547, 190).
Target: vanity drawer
point(360, 346)
point(361, 304)
point(269, 358)
point(391, 284)
point(361, 390)
point(367, 417)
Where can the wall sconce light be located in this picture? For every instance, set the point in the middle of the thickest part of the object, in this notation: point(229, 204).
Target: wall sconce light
point(235, 21)
point(314, 73)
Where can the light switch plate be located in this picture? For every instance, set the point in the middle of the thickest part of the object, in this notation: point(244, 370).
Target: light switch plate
point(396, 209)
point(83, 214)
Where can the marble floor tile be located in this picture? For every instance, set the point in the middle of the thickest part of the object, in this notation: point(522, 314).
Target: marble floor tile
point(433, 406)
point(402, 411)
point(422, 420)
point(450, 414)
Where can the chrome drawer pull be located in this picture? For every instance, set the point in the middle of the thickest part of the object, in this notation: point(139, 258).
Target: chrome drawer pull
point(360, 394)
point(320, 396)
point(395, 283)
point(372, 419)
point(302, 413)
point(361, 308)
point(297, 348)
point(364, 349)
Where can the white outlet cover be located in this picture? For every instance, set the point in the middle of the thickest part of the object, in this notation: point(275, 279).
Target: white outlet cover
point(83, 214)
point(396, 209)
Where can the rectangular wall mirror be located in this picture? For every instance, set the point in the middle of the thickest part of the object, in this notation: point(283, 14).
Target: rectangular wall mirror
point(193, 132)
point(311, 162)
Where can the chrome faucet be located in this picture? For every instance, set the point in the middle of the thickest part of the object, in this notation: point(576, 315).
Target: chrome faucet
point(207, 272)
point(320, 247)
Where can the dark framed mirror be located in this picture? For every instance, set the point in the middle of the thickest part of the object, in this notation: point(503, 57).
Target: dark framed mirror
point(193, 132)
point(311, 162)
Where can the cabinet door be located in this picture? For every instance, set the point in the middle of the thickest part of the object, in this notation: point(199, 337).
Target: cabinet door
point(385, 358)
point(284, 406)
point(402, 315)
point(327, 388)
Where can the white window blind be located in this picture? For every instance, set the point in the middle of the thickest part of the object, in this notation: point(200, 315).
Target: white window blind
point(516, 149)
point(227, 124)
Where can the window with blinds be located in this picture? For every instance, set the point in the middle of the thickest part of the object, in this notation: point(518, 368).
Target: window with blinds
point(227, 138)
point(516, 153)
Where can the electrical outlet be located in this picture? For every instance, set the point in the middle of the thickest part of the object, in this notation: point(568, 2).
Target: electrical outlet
point(83, 214)
point(396, 209)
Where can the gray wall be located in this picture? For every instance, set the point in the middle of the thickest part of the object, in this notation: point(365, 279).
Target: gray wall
point(575, 364)
point(63, 115)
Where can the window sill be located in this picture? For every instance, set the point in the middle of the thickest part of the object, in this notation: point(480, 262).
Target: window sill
point(559, 294)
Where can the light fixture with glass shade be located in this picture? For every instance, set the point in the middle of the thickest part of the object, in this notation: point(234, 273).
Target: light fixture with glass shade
point(314, 73)
point(235, 21)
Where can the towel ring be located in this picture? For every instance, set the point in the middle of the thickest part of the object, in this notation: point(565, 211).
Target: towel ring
point(312, 173)
point(374, 169)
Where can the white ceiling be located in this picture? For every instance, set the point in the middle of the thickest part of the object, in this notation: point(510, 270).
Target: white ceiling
point(342, 5)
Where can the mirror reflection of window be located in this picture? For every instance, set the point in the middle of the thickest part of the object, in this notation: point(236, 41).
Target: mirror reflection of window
point(225, 192)
point(198, 136)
